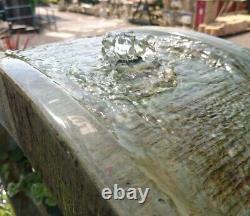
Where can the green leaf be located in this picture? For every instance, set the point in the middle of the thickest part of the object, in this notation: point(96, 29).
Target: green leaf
point(50, 202)
point(32, 177)
point(4, 168)
point(38, 191)
point(13, 188)
point(5, 207)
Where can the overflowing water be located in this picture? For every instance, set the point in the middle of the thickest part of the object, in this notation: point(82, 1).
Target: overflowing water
point(135, 61)
point(165, 98)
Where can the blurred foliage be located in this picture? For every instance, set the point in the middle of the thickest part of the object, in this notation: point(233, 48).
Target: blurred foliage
point(159, 3)
point(32, 185)
point(5, 207)
point(90, 1)
point(47, 1)
point(29, 182)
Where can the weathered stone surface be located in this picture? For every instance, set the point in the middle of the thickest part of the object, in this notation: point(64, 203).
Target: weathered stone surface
point(87, 123)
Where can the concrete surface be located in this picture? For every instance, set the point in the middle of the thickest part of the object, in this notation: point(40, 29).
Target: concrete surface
point(241, 39)
point(73, 25)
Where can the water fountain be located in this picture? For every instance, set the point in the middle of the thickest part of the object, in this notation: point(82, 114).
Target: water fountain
point(154, 108)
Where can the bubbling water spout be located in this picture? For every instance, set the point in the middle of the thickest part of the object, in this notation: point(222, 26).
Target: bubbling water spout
point(129, 48)
point(135, 59)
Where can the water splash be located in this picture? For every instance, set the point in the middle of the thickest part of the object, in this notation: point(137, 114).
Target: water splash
point(134, 63)
point(189, 107)
point(129, 48)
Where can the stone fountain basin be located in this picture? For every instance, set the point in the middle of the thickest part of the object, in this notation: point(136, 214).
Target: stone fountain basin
point(78, 155)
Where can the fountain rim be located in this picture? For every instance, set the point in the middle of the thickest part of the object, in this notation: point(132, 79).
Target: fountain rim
point(13, 69)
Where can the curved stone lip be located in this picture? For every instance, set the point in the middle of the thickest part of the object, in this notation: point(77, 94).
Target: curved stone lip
point(87, 143)
point(63, 115)
point(90, 144)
